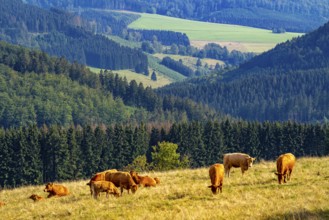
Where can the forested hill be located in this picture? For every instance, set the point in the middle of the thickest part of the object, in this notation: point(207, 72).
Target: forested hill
point(308, 52)
point(291, 15)
point(62, 34)
point(290, 81)
point(38, 89)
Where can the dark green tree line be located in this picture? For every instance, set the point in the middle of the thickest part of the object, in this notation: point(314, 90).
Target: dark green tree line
point(32, 155)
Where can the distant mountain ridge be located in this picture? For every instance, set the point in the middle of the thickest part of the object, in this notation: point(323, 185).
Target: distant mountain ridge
point(301, 16)
point(289, 82)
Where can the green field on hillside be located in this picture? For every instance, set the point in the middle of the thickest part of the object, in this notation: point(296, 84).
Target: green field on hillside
point(184, 194)
point(213, 32)
point(190, 61)
point(130, 75)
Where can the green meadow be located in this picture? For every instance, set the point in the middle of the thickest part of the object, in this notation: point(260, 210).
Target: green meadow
point(248, 37)
point(190, 61)
point(130, 75)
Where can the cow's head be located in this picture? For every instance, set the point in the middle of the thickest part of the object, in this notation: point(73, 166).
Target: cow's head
point(135, 176)
point(49, 187)
point(250, 161)
point(280, 177)
point(115, 192)
point(134, 188)
point(157, 180)
point(214, 188)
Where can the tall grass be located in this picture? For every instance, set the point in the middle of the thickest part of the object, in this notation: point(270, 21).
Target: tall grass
point(183, 194)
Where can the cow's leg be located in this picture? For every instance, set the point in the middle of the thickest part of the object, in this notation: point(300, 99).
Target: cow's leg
point(95, 194)
point(121, 188)
point(289, 174)
point(285, 177)
point(242, 170)
point(227, 171)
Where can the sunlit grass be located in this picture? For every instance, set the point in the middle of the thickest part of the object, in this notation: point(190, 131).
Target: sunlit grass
point(190, 61)
point(183, 194)
point(249, 38)
point(130, 75)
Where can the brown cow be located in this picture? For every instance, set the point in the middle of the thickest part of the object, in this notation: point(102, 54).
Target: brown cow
point(284, 166)
point(145, 181)
point(35, 197)
point(122, 180)
point(216, 174)
point(100, 176)
point(104, 186)
point(244, 161)
point(56, 190)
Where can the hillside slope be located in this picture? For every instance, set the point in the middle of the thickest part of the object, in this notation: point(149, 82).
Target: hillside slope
point(256, 195)
point(39, 89)
point(301, 16)
point(61, 33)
point(289, 82)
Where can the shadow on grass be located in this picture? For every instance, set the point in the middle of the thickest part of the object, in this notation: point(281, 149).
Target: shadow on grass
point(302, 215)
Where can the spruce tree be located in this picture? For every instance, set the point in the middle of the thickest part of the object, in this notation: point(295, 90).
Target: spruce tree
point(154, 76)
point(74, 167)
point(87, 153)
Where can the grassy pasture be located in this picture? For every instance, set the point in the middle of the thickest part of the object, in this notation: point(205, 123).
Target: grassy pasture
point(130, 75)
point(190, 61)
point(249, 38)
point(183, 194)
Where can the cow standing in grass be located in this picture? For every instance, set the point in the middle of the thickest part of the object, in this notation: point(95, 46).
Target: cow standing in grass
point(100, 176)
point(103, 186)
point(284, 166)
point(244, 161)
point(216, 174)
point(122, 180)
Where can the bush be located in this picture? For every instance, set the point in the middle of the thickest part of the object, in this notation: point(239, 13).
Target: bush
point(165, 157)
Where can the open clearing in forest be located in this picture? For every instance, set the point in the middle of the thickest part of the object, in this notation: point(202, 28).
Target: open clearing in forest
point(130, 75)
point(248, 39)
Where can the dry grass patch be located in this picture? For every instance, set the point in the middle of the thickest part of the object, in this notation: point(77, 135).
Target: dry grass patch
point(183, 194)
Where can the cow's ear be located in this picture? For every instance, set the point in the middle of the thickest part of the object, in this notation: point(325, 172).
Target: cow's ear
point(276, 173)
point(253, 158)
point(209, 186)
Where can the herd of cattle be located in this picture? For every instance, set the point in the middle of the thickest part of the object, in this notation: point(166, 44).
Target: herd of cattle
point(110, 180)
point(284, 166)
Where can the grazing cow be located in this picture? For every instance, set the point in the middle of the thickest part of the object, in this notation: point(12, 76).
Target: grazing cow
point(56, 190)
point(35, 197)
point(103, 186)
point(145, 181)
point(122, 180)
point(100, 176)
point(244, 161)
point(2, 203)
point(284, 166)
point(216, 174)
